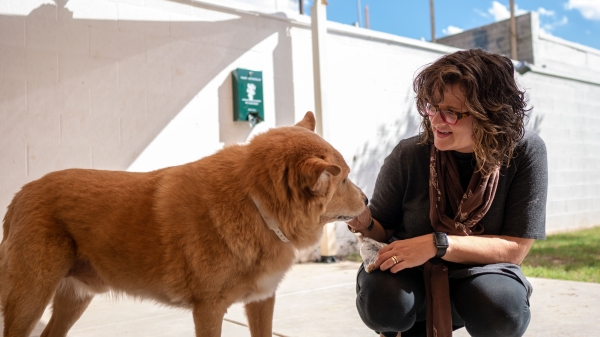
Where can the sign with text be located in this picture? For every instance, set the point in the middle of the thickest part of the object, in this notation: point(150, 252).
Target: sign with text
point(247, 95)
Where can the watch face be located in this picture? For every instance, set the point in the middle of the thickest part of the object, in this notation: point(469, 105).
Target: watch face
point(441, 239)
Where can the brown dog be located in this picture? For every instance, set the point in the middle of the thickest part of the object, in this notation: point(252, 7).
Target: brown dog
point(189, 236)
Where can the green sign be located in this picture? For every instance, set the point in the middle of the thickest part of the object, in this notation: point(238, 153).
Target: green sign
point(248, 102)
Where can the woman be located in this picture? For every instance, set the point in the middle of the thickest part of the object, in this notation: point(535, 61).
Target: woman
point(460, 206)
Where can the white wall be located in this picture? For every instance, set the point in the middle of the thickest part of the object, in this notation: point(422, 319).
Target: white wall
point(133, 84)
point(565, 93)
point(125, 84)
point(567, 57)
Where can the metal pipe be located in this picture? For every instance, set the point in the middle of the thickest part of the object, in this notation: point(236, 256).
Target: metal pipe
point(431, 13)
point(513, 31)
point(318, 19)
point(359, 10)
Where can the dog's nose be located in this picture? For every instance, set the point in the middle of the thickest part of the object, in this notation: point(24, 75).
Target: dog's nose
point(366, 201)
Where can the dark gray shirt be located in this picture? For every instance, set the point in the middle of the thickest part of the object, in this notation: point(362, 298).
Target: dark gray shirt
point(400, 200)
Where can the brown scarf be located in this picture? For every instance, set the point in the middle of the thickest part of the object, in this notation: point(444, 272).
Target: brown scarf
point(469, 207)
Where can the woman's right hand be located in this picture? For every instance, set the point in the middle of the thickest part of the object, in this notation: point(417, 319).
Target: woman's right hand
point(361, 222)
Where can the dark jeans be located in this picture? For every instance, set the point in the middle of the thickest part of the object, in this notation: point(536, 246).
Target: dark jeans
point(487, 304)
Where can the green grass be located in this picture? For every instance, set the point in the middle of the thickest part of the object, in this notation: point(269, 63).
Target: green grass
point(355, 257)
point(573, 256)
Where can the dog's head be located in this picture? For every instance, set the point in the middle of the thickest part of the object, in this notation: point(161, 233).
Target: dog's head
point(309, 183)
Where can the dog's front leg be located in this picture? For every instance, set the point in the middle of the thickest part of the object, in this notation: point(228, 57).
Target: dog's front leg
point(260, 317)
point(208, 319)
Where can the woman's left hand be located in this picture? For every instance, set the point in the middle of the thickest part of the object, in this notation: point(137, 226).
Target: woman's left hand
point(408, 253)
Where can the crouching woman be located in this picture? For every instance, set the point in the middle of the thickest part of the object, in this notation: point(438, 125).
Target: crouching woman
point(460, 206)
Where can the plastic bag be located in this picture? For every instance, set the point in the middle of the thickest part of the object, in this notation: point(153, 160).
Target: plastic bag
point(368, 252)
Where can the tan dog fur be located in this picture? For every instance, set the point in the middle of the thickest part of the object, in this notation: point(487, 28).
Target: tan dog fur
point(187, 236)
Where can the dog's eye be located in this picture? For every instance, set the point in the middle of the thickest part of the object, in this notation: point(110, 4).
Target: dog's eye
point(344, 181)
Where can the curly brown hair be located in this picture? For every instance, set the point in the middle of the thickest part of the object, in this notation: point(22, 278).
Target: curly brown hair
point(492, 97)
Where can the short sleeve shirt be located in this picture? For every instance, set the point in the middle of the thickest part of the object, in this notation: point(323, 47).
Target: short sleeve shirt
point(400, 200)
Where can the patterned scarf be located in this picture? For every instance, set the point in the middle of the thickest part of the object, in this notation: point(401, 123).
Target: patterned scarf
point(469, 207)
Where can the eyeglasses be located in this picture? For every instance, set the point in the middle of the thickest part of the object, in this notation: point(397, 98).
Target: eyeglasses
point(448, 116)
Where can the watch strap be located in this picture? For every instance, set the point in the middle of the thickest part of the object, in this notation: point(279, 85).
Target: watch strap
point(440, 240)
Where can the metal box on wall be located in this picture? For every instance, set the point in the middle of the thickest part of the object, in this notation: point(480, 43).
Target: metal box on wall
point(248, 102)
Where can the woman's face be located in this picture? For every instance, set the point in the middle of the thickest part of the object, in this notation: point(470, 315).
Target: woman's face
point(457, 137)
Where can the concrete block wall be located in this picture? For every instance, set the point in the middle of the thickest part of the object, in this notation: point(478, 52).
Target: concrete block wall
point(123, 85)
point(566, 57)
point(137, 85)
point(496, 37)
point(564, 116)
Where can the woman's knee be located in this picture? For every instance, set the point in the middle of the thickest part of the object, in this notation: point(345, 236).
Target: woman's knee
point(389, 302)
point(500, 323)
point(492, 305)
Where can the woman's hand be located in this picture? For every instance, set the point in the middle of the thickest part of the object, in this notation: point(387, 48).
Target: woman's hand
point(473, 249)
point(368, 227)
point(409, 253)
point(361, 222)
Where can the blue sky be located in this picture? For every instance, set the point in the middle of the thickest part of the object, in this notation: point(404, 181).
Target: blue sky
point(573, 20)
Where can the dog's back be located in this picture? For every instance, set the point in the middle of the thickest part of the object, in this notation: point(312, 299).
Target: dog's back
point(6, 224)
point(5, 230)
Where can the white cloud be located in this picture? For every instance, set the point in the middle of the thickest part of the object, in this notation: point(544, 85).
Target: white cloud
point(545, 12)
point(451, 30)
point(501, 12)
point(557, 23)
point(590, 9)
point(482, 13)
point(562, 22)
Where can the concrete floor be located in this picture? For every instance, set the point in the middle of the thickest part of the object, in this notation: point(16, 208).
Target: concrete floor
point(318, 300)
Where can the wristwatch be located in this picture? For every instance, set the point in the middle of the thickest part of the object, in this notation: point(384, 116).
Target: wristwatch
point(440, 240)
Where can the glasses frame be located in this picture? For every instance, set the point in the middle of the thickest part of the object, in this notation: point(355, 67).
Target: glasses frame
point(459, 115)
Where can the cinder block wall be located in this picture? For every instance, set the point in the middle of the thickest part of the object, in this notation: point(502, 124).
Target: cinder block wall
point(496, 37)
point(138, 85)
point(127, 84)
point(565, 101)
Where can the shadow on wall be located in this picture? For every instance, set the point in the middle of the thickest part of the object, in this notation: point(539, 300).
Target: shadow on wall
point(138, 76)
point(370, 157)
point(283, 91)
point(534, 122)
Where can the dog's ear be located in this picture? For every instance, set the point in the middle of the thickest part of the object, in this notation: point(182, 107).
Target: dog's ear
point(318, 173)
point(308, 122)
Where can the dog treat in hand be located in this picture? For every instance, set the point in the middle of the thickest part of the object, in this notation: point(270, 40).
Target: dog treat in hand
point(368, 252)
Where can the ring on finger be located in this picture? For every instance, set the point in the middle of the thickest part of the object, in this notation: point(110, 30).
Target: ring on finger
point(394, 259)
